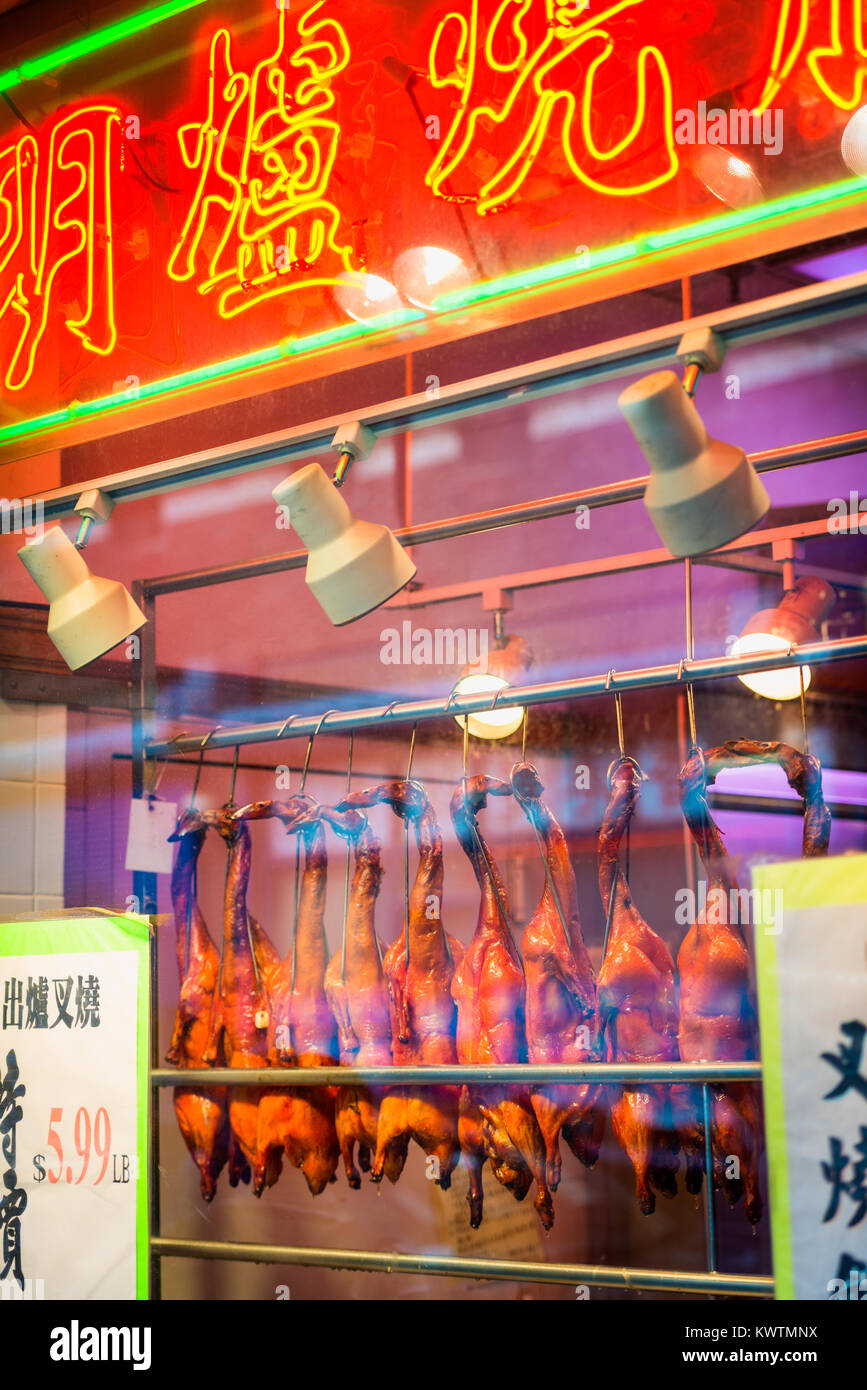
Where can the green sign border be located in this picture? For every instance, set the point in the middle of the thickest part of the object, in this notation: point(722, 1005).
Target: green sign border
point(804, 883)
point(75, 935)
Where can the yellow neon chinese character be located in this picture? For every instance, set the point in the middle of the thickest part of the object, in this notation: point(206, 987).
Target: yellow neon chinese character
point(55, 210)
point(555, 57)
point(261, 223)
point(838, 67)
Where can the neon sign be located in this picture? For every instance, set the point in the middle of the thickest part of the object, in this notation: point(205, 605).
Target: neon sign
point(839, 79)
point(264, 153)
point(555, 57)
point(55, 208)
point(279, 151)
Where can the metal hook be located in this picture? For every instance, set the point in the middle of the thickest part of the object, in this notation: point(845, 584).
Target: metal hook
point(284, 726)
point(411, 751)
point(231, 800)
point(803, 706)
point(161, 764)
point(388, 708)
point(609, 678)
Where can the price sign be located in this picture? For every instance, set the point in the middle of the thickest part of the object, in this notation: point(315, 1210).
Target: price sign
point(812, 977)
point(73, 1108)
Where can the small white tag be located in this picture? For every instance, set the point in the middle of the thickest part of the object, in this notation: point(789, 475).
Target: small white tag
point(261, 1018)
point(150, 825)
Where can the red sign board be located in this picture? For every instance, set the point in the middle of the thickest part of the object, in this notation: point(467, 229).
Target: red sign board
point(223, 188)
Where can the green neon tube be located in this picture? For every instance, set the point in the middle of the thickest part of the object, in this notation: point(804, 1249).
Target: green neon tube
point(92, 43)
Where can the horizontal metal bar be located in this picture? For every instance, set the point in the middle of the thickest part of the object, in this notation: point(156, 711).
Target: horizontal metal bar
point(411, 711)
point(525, 1271)
point(793, 310)
point(536, 1072)
point(782, 805)
point(607, 565)
point(473, 523)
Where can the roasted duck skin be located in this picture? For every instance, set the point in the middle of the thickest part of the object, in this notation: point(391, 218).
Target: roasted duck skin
point(637, 1005)
point(357, 993)
point(423, 1013)
point(717, 1009)
point(488, 988)
point(241, 1019)
point(201, 1112)
point(301, 1030)
point(561, 992)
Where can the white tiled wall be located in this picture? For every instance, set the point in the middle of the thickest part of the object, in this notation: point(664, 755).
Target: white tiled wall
point(32, 807)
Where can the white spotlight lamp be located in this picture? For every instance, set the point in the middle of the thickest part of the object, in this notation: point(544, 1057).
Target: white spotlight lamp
point(353, 566)
point(702, 493)
point(87, 615)
point(794, 622)
point(506, 665)
point(853, 146)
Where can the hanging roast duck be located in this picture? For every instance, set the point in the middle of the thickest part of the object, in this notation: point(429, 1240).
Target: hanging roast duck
point(717, 1008)
point(418, 968)
point(637, 1003)
point(561, 991)
point(497, 1122)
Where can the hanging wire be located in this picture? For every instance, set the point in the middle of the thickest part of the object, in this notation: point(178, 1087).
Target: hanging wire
point(231, 801)
point(525, 721)
point(804, 730)
point(690, 650)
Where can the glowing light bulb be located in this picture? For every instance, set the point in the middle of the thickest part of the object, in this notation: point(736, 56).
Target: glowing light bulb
point(784, 684)
point(496, 723)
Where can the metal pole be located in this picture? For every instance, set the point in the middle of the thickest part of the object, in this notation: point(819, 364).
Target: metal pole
point(644, 678)
point(710, 1226)
point(473, 523)
point(451, 1074)
point(601, 1276)
point(154, 1208)
point(144, 700)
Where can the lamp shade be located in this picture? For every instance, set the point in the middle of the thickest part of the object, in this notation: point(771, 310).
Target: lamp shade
point(853, 145)
point(702, 493)
point(353, 566)
point(87, 615)
point(506, 665)
point(794, 622)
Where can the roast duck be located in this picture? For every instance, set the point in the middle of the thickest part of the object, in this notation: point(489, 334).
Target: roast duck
point(418, 970)
point(301, 1030)
point(357, 992)
point(202, 1112)
point(717, 1008)
point(239, 1021)
point(561, 991)
point(495, 1122)
point(637, 1002)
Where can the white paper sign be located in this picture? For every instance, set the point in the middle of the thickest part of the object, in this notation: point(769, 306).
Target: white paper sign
point(813, 1000)
point(68, 1026)
point(151, 822)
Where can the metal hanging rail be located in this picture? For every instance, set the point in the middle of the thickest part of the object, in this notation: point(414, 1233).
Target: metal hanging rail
point(373, 1261)
point(453, 1074)
point(792, 311)
point(402, 712)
